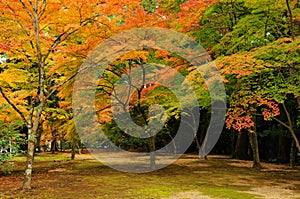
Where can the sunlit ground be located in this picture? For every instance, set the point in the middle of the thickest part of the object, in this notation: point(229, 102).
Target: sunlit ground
point(56, 176)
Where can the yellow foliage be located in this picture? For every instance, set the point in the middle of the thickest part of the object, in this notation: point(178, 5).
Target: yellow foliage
point(135, 55)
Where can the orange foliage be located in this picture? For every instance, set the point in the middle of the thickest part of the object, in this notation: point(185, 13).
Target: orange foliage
point(243, 110)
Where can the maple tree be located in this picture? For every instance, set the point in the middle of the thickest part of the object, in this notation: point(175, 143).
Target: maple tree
point(124, 98)
point(146, 95)
point(40, 36)
point(239, 30)
point(45, 42)
point(263, 85)
point(149, 14)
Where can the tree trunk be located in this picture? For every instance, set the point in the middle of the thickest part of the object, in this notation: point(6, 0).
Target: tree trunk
point(40, 100)
point(198, 145)
point(174, 144)
point(266, 26)
point(73, 152)
point(38, 143)
point(233, 143)
point(38, 137)
point(79, 149)
point(296, 141)
point(254, 146)
point(53, 146)
point(234, 20)
point(241, 148)
point(197, 142)
point(32, 133)
point(298, 101)
point(282, 156)
point(293, 152)
point(290, 125)
point(30, 158)
point(62, 144)
point(290, 19)
point(151, 143)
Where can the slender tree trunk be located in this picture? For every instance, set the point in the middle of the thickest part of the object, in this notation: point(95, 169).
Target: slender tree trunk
point(151, 141)
point(198, 144)
point(32, 133)
point(266, 25)
point(234, 14)
point(30, 157)
point(290, 19)
point(241, 148)
point(62, 144)
point(294, 137)
point(174, 143)
point(282, 155)
point(79, 148)
point(197, 141)
point(293, 152)
point(254, 145)
point(298, 101)
point(40, 99)
point(73, 152)
point(53, 146)
point(232, 146)
point(289, 126)
point(38, 139)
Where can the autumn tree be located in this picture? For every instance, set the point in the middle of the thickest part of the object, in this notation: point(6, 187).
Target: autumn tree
point(39, 37)
point(269, 78)
point(43, 44)
point(241, 29)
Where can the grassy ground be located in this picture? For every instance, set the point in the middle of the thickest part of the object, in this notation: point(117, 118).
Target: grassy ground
point(55, 176)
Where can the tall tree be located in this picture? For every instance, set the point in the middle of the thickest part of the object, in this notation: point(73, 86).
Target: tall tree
point(267, 80)
point(33, 44)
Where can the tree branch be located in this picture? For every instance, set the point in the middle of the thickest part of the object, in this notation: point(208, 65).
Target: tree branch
point(62, 83)
point(43, 9)
point(27, 10)
point(287, 114)
point(291, 19)
point(290, 128)
point(63, 36)
point(282, 123)
point(13, 105)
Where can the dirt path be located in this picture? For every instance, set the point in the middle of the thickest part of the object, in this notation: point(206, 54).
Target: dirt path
point(189, 195)
point(267, 192)
point(274, 192)
point(285, 189)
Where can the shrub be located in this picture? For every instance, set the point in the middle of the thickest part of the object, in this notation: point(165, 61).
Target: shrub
point(10, 141)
